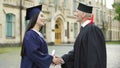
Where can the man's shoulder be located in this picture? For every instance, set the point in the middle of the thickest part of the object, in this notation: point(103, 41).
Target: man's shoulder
point(94, 27)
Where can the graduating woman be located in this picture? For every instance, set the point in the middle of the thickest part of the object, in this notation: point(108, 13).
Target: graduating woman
point(34, 51)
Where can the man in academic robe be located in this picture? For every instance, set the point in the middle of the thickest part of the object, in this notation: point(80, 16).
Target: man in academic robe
point(89, 48)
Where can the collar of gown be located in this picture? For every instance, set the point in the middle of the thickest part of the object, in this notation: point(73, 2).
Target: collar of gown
point(85, 23)
point(39, 33)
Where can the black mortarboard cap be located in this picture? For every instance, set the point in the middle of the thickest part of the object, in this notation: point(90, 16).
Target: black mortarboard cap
point(85, 8)
point(30, 12)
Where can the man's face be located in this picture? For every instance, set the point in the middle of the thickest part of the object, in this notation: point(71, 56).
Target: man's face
point(79, 15)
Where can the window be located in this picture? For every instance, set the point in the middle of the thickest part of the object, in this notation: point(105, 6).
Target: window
point(81, 0)
point(56, 26)
point(42, 1)
point(74, 5)
point(26, 23)
point(0, 30)
point(66, 4)
point(10, 21)
point(56, 2)
point(43, 31)
point(75, 30)
point(97, 15)
point(101, 16)
point(67, 32)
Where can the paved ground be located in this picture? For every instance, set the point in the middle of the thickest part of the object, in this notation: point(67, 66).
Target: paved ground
point(12, 59)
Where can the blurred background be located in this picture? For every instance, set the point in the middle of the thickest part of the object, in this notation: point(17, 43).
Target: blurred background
point(61, 27)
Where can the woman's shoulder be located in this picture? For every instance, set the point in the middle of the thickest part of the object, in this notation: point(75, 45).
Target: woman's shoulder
point(30, 33)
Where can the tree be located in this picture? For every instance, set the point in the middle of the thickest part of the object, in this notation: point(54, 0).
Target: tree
point(116, 6)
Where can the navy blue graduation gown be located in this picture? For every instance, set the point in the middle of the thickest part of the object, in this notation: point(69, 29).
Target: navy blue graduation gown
point(36, 51)
point(89, 50)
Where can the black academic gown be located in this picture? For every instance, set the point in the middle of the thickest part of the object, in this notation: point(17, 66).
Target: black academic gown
point(36, 52)
point(89, 50)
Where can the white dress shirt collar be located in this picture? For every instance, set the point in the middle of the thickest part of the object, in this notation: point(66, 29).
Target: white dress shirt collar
point(85, 23)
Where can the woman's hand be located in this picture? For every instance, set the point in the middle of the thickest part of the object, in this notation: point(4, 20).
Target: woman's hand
point(57, 60)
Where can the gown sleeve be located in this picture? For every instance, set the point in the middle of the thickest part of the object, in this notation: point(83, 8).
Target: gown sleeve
point(33, 52)
point(96, 48)
point(69, 56)
point(68, 60)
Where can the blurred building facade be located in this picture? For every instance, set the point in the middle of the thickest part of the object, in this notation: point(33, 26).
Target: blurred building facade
point(10, 32)
point(113, 26)
point(61, 26)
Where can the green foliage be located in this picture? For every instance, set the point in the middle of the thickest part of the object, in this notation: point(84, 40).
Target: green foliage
point(116, 6)
point(113, 42)
point(8, 49)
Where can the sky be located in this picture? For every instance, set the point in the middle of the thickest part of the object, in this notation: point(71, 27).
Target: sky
point(109, 4)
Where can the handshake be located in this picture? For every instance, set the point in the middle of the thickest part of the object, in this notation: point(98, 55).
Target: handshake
point(57, 60)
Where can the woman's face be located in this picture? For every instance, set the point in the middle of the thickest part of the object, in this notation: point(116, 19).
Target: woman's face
point(41, 19)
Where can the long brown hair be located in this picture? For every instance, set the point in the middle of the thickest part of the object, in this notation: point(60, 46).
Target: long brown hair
point(30, 25)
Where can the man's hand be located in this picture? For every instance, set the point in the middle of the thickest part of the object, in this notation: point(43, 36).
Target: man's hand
point(57, 60)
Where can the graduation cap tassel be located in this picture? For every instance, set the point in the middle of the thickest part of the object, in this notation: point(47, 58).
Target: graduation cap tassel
point(91, 19)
